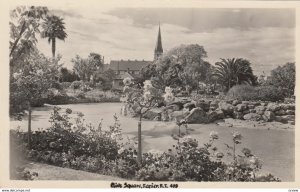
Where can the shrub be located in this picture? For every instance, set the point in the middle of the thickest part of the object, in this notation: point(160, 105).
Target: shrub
point(260, 93)
point(76, 84)
point(270, 93)
point(242, 92)
point(81, 146)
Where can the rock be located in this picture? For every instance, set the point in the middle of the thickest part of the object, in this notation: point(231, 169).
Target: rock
point(273, 107)
point(241, 107)
point(289, 117)
point(165, 115)
point(268, 116)
point(203, 105)
point(238, 115)
point(153, 113)
point(281, 119)
point(263, 104)
point(291, 122)
point(246, 112)
point(214, 105)
point(252, 116)
point(215, 115)
point(251, 106)
point(226, 108)
point(157, 118)
point(288, 106)
point(252, 110)
point(189, 106)
point(179, 115)
point(236, 102)
point(197, 115)
point(260, 110)
point(280, 112)
point(290, 112)
point(246, 102)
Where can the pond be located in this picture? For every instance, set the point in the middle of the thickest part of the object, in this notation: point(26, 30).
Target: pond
point(275, 147)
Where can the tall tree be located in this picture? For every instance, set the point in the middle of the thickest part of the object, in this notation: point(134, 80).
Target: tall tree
point(230, 72)
point(183, 66)
point(284, 77)
point(86, 67)
point(29, 85)
point(54, 28)
point(24, 24)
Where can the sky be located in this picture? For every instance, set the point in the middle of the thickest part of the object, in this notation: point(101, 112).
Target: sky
point(266, 37)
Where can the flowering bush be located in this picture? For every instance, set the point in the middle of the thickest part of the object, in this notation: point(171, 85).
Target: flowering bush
point(81, 146)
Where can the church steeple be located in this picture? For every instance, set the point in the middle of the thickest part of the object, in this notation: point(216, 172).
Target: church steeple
point(158, 48)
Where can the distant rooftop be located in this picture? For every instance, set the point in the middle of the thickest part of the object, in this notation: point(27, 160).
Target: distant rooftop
point(125, 64)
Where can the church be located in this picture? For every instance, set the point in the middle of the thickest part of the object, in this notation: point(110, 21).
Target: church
point(132, 68)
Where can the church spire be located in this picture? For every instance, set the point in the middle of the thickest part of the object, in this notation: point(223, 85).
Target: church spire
point(158, 48)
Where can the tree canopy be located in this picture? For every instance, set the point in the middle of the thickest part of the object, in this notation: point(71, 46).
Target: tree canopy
point(182, 66)
point(235, 71)
point(53, 28)
point(284, 77)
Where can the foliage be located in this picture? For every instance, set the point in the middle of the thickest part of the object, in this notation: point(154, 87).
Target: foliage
point(141, 100)
point(182, 66)
point(105, 78)
point(81, 146)
point(21, 173)
point(53, 28)
point(284, 77)
point(30, 83)
point(230, 72)
point(24, 24)
point(67, 75)
point(259, 93)
point(86, 67)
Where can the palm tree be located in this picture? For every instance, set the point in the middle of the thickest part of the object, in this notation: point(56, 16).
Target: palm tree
point(230, 72)
point(53, 28)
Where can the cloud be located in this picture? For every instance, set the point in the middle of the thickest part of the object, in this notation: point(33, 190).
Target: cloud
point(265, 44)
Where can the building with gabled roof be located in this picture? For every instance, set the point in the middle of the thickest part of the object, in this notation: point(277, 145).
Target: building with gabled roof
point(123, 68)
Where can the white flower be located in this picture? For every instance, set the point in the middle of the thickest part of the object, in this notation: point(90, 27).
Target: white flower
point(168, 90)
point(147, 95)
point(39, 72)
point(121, 150)
point(147, 85)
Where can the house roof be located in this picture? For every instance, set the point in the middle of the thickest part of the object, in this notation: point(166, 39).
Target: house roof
point(123, 76)
point(128, 64)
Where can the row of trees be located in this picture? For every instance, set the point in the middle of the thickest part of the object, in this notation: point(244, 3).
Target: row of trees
point(185, 67)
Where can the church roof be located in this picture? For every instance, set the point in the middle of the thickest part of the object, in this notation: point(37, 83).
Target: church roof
point(125, 64)
point(158, 47)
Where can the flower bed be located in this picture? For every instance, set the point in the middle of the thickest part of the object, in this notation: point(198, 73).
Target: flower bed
point(81, 146)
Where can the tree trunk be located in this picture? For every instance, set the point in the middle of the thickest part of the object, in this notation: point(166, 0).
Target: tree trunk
point(17, 40)
point(139, 156)
point(29, 124)
point(53, 47)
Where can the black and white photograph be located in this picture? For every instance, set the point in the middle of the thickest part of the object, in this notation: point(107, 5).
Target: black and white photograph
point(126, 92)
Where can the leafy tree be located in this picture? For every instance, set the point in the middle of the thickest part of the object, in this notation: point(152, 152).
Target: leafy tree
point(141, 100)
point(230, 72)
point(86, 67)
point(30, 84)
point(67, 75)
point(54, 28)
point(24, 24)
point(182, 66)
point(284, 77)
